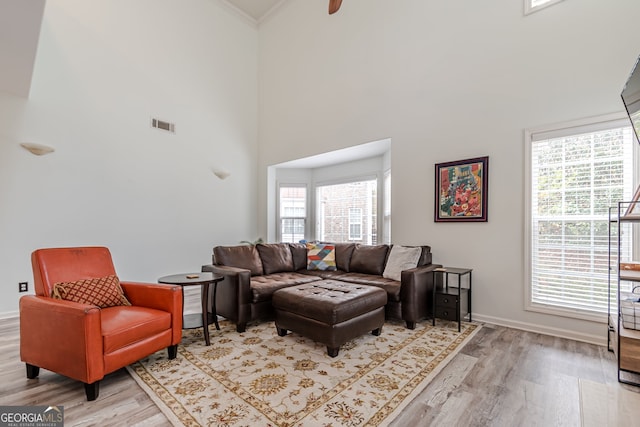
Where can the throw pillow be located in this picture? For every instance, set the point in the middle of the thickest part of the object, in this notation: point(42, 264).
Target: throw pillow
point(401, 258)
point(101, 291)
point(321, 257)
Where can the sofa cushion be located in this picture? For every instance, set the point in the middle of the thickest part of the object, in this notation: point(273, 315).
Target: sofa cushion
point(321, 256)
point(325, 274)
point(299, 254)
point(369, 259)
point(344, 252)
point(276, 257)
point(100, 291)
point(391, 286)
point(246, 257)
point(263, 287)
point(401, 258)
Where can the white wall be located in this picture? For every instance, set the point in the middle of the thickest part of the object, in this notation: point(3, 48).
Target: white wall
point(446, 80)
point(103, 69)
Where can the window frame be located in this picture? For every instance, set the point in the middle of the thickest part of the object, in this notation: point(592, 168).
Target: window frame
point(574, 127)
point(386, 206)
point(280, 218)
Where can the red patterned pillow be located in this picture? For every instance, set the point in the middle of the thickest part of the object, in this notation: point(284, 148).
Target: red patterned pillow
point(101, 291)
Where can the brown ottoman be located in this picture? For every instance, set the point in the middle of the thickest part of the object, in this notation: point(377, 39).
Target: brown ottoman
point(329, 311)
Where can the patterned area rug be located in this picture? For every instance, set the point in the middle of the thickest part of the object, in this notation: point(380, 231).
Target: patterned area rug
point(257, 378)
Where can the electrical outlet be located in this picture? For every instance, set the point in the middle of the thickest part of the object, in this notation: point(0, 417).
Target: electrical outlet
point(23, 286)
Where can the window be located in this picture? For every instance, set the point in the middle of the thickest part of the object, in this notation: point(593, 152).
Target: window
point(347, 212)
point(575, 174)
point(535, 5)
point(292, 213)
point(355, 224)
point(386, 221)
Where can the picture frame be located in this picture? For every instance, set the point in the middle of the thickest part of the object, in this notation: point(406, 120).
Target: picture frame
point(461, 190)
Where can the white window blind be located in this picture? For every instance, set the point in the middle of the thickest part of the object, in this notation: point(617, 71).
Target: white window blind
point(576, 175)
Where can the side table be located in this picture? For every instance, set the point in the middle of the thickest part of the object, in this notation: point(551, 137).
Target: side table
point(449, 302)
point(204, 280)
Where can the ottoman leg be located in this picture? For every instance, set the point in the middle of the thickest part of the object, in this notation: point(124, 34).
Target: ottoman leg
point(377, 332)
point(281, 332)
point(333, 351)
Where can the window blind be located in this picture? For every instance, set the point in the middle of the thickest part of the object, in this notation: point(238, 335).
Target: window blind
point(577, 174)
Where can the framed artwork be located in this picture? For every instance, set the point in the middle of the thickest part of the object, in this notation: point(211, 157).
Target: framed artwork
point(461, 190)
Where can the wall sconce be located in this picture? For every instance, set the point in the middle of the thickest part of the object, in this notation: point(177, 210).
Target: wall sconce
point(37, 149)
point(222, 174)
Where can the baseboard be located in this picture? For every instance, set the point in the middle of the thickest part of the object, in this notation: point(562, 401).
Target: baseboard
point(545, 330)
point(9, 314)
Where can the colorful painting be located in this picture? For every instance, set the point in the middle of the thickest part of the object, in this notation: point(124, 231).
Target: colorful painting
point(461, 190)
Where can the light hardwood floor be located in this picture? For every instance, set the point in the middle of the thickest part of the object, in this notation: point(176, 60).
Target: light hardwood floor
point(502, 377)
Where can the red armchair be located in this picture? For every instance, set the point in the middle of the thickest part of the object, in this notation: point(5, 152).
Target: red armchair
point(83, 341)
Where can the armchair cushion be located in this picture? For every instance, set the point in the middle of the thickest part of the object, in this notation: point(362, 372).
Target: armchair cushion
point(100, 291)
point(123, 326)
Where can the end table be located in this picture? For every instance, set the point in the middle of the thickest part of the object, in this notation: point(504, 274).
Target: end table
point(449, 302)
point(204, 279)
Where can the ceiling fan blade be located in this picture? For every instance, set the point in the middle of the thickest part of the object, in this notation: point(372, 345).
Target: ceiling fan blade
point(334, 5)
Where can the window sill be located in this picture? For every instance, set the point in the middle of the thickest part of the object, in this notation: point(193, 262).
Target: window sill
point(567, 312)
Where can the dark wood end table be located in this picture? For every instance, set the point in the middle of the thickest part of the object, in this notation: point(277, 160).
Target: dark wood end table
point(204, 279)
point(449, 302)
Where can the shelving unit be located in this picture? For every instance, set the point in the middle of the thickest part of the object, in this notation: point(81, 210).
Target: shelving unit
point(624, 274)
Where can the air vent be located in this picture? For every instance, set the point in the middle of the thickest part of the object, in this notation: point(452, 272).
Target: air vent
point(162, 125)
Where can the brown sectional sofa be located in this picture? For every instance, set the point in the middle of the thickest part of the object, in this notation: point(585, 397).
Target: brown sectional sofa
point(253, 273)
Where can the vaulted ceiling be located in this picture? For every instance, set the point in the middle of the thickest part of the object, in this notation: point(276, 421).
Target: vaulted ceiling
point(20, 23)
point(256, 9)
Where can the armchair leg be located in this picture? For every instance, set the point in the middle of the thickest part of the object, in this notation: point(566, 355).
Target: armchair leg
point(92, 390)
point(32, 371)
point(173, 351)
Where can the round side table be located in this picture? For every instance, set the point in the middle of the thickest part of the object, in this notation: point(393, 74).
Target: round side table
point(204, 279)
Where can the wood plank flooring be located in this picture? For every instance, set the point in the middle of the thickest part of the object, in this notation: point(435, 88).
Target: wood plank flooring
point(502, 377)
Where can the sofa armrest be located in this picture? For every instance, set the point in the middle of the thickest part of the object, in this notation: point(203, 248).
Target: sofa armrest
point(161, 297)
point(62, 336)
point(416, 292)
point(234, 296)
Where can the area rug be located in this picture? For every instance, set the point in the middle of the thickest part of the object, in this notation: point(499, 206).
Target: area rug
point(258, 378)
